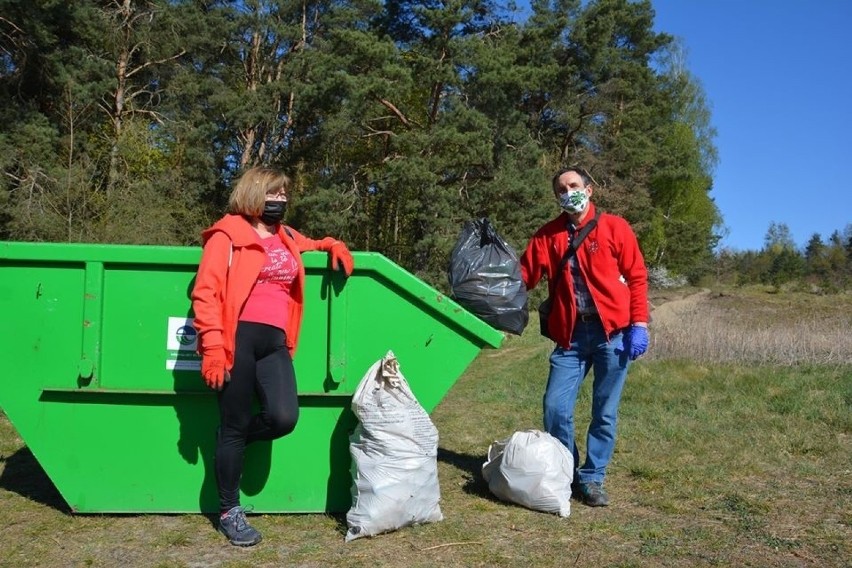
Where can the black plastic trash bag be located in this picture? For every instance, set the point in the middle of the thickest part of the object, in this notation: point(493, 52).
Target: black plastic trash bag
point(485, 277)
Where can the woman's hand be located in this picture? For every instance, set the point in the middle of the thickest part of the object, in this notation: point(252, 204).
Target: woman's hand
point(341, 258)
point(213, 367)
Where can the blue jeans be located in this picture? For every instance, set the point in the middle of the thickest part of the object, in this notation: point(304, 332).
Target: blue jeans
point(568, 368)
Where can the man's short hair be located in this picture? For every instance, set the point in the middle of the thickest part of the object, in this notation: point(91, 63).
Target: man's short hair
point(587, 179)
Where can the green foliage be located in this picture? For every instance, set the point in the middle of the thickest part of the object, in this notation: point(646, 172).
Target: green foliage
point(816, 256)
point(778, 238)
point(397, 120)
point(819, 267)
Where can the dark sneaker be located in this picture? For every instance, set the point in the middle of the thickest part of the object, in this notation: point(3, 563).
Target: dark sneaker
point(593, 495)
point(235, 526)
point(575, 489)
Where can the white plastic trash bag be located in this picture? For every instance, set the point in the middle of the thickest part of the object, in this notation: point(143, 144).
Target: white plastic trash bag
point(394, 456)
point(533, 469)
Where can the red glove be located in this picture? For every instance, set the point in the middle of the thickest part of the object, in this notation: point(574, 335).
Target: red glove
point(341, 257)
point(213, 367)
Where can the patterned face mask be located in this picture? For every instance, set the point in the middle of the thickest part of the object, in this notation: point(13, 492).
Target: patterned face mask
point(574, 200)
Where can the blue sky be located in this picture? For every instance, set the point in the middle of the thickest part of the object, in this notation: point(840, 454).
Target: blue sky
point(778, 78)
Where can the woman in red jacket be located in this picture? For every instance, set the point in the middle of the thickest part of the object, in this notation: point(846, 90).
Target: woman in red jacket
point(247, 300)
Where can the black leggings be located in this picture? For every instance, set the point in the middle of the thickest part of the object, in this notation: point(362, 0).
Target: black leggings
point(262, 367)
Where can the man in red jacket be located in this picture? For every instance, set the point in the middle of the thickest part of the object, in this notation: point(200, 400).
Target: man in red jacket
point(599, 320)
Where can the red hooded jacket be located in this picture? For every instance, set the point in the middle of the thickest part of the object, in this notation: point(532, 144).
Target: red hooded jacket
point(229, 267)
point(609, 259)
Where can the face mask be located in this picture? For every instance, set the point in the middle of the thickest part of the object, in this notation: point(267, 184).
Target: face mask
point(574, 200)
point(273, 212)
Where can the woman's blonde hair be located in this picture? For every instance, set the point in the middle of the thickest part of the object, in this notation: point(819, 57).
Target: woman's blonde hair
point(249, 195)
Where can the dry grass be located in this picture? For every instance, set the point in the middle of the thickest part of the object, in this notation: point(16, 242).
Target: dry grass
point(755, 327)
point(716, 465)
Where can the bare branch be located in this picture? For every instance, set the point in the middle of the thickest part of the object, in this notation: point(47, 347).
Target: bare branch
point(12, 24)
point(391, 107)
point(156, 62)
point(379, 133)
point(159, 117)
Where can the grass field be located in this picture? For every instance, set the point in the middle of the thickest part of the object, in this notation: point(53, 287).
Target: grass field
point(726, 459)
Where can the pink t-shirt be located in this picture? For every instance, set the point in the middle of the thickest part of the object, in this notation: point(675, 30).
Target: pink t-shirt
point(268, 300)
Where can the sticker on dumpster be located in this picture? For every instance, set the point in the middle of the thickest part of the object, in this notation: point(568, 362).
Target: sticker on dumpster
point(181, 344)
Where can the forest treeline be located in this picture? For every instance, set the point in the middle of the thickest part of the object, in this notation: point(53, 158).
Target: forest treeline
point(127, 121)
point(823, 265)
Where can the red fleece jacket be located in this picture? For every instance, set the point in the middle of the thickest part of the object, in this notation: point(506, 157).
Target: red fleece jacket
point(610, 261)
point(226, 275)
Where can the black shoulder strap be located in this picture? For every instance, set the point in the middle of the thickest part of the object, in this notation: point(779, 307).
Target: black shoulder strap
point(575, 244)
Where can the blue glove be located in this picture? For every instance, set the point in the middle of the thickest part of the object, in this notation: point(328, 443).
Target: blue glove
point(636, 341)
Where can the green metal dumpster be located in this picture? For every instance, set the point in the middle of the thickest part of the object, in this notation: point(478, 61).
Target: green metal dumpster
point(102, 384)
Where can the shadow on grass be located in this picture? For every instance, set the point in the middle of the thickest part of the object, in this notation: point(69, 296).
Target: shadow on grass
point(341, 526)
point(22, 474)
point(472, 467)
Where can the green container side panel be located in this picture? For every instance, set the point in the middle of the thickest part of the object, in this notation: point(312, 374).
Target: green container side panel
point(160, 457)
point(106, 391)
point(42, 322)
